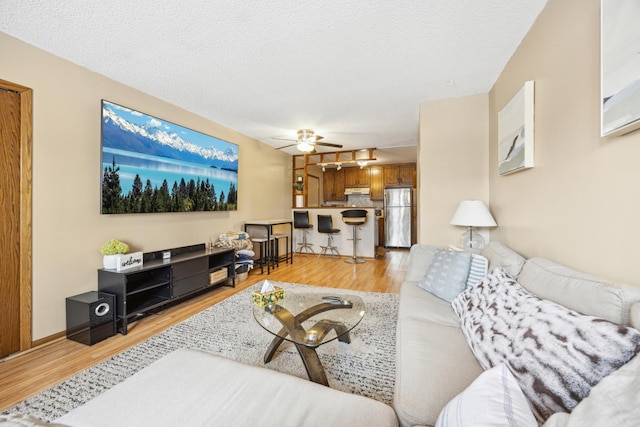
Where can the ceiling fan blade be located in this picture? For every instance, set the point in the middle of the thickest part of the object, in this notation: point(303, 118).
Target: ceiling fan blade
point(287, 146)
point(284, 139)
point(328, 144)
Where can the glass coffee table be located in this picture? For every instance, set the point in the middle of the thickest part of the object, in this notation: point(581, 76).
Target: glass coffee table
point(309, 320)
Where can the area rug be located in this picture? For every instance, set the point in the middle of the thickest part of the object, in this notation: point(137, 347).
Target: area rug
point(365, 367)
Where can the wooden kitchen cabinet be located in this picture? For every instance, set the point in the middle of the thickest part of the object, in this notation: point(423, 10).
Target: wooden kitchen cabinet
point(333, 184)
point(354, 177)
point(401, 175)
point(377, 182)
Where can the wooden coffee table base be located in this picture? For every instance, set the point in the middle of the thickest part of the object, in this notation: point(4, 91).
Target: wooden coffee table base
point(304, 339)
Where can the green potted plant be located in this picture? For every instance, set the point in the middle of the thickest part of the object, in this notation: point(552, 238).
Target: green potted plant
point(299, 186)
point(111, 249)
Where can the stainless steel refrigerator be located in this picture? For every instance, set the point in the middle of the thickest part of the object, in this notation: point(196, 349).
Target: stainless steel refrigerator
point(398, 212)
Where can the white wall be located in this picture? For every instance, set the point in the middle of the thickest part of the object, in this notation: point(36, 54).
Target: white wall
point(67, 227)
point(580, 203)
point(453, 161)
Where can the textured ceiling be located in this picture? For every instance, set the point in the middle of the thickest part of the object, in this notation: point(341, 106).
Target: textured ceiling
point(354, 71)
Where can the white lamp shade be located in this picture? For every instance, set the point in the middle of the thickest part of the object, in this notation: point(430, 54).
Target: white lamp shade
point(473, 213)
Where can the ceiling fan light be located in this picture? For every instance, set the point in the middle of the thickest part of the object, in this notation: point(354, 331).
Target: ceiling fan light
point(306, 135)
point(305, 147)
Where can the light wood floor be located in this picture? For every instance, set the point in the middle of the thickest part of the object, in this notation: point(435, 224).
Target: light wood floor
point(30, 372)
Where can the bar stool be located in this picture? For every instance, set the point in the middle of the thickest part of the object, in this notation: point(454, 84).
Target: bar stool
point(301, 221)
point(354, 217)
point(325, 225)
point(266, 249)
point(276, 243)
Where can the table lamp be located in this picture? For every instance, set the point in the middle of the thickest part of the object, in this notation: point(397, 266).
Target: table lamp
point(472, 213)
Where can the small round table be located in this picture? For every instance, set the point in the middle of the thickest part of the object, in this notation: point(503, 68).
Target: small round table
point(309, 320)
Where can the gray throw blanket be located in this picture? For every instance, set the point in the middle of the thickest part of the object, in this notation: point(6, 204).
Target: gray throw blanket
point(557, 355)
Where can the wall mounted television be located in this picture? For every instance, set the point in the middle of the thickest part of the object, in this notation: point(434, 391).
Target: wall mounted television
point(151, 165)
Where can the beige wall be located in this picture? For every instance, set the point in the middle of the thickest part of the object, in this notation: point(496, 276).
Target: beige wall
point(67, 227)
point(453, 159)
point(579, 205)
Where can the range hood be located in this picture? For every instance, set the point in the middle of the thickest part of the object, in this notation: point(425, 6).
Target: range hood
point(364, 191)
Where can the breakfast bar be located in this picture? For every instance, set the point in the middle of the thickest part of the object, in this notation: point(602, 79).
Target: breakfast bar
point(367, 232)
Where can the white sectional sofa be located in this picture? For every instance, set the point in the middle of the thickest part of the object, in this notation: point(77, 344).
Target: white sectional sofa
point(436, 370)
point(194, 388)
point(435, 363)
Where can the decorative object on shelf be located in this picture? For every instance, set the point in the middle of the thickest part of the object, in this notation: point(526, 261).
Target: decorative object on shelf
point(111, 249)
point(472, 213)
point(127, 261)
point(620, 85)
point(299, 186)
point(516, 132)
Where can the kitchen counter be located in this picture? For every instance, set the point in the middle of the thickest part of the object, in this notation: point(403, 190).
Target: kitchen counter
point(367, 233)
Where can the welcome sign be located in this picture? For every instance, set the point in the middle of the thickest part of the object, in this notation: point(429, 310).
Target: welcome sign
point(126, 261)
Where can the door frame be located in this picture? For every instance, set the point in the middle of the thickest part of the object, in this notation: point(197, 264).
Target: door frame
point(26, 207)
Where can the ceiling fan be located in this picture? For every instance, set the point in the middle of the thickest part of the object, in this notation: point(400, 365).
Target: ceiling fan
point(307, 141)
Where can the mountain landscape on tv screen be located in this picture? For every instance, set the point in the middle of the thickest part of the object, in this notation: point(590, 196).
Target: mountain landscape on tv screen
point(118, 133)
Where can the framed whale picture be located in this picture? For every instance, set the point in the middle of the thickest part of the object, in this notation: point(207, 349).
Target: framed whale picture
point(151, 165)
point(516, 132)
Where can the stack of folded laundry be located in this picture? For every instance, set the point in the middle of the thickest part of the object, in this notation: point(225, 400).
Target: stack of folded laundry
point(235, 240)
point(244, 260)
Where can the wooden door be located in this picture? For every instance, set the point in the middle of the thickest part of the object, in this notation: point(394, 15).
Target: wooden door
point(377, 183)
point(15, 211)
point(338, 185)
point(328, 191)
point(10, 213)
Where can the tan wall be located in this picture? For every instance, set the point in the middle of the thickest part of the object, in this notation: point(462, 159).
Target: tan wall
point(453, 159)
point(67, 227)
point(579, 205)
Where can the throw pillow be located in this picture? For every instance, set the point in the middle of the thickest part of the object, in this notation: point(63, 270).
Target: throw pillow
point(477, 270)
point(493, 399)
point(447, 274)
point(557, 355)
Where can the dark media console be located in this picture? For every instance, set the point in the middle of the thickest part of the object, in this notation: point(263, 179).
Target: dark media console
point(163, 281)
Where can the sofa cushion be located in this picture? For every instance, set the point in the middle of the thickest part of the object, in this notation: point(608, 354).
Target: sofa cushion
point(417, 304)
point(433, 365)
point(635, 315)
point(493, 399)
point(578, 291)
point(447, 274)
point(194, 388)
point(556, 354)
point(615, 401)
point(420, 256)
point(501, 256)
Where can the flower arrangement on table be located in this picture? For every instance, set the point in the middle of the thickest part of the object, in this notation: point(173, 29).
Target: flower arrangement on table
point(111, 249)
point(114, 247)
